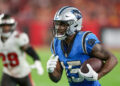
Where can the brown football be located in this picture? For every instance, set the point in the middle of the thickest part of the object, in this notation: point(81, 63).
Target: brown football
point(95, 63)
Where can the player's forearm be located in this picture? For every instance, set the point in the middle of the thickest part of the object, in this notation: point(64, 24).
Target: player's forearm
point(108, 66)
point(55, 76)
point(30, 51)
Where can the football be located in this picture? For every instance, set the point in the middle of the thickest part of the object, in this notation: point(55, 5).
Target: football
point(95, 63)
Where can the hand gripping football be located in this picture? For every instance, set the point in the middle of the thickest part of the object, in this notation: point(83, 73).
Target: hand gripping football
point(95, 63)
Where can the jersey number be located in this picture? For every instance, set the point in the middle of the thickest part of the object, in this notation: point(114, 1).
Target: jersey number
point(11, 59)
point(73, 70)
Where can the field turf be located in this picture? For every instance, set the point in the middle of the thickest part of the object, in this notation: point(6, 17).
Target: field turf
point(111, 79)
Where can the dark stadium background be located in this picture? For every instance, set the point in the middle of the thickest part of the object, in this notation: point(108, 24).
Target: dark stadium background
point(34, 17)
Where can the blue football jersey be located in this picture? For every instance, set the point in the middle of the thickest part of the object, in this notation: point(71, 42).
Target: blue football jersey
point(73, 56)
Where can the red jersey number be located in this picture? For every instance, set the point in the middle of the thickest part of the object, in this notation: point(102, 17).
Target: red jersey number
point(12, 59)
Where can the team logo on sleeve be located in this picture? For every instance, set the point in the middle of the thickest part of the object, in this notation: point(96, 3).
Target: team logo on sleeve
point(91, 41)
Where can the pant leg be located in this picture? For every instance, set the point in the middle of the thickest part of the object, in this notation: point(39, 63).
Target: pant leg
point(26, 81)
point(7, 80)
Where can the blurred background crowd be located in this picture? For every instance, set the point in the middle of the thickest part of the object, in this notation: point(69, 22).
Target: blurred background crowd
point(35, 16)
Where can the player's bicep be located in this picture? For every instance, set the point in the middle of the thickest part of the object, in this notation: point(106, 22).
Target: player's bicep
point(100, 52)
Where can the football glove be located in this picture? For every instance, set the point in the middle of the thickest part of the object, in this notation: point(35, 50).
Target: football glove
point(38, 66)
point(91, 75)
point(51, 64)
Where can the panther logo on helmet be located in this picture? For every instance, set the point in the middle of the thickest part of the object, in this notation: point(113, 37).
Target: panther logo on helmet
point(70, 16)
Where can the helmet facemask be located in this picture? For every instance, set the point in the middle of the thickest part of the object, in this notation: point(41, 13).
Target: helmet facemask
point(62, 32)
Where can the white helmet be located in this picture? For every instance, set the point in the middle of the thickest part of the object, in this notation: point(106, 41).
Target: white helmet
point(70, 15)
point(6, 19)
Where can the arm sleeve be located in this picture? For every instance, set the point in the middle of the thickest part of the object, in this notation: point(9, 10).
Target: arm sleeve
point(23, 39)
point(90, 41)
point(30, 51)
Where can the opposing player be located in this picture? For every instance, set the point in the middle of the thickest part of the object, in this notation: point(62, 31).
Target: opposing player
point(13, 46)
point(71, 47)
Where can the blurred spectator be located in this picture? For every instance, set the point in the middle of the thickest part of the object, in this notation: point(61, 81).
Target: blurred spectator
point(35, 16)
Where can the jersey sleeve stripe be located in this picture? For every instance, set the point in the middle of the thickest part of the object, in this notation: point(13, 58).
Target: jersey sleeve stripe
point(83, 41)
point(53, 48)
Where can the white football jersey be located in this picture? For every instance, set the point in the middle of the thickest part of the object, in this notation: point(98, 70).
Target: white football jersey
point(14, 59)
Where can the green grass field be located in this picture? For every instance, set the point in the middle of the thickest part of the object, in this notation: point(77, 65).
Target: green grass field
point(111, 79)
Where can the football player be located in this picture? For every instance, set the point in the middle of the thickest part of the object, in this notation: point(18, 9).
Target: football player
point(72, 47)
point(13, 46)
